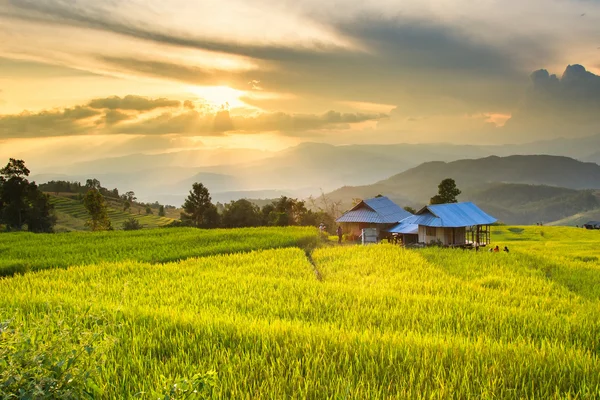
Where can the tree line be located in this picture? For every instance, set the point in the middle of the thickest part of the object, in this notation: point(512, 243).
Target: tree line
point(200, 212)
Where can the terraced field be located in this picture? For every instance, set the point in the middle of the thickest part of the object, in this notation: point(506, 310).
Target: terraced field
point(72, 216)
point(352, 322)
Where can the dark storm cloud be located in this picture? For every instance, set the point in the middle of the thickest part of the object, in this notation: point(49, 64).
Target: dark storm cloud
point(568, 105)
point(133, 103)
point(65, 122)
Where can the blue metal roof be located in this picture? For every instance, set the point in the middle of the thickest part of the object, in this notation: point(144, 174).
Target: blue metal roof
point(453, 215)
point(407, 226)
point(379, 210)
point(362, 215)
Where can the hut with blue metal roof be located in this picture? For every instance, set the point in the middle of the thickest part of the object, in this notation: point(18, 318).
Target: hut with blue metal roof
point(453, 224)
point(379, 213)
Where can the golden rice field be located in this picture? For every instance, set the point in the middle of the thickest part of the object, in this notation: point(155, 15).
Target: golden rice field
point(348, 322)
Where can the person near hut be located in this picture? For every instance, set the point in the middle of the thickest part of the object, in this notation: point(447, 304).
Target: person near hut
point(497, 249)
point(339, 233)
point(505, 249)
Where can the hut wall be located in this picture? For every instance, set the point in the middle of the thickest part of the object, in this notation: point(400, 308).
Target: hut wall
point(447, 236)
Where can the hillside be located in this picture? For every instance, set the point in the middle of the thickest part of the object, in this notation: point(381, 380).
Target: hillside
point(72, 216)
point(578, 219)
point(516, 189)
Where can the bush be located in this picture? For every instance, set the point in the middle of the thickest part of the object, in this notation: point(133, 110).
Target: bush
point(49, 360)
point(132, 224)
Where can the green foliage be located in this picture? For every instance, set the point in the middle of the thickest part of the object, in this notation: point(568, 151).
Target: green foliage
point(149, 210)
point(132, 224)
point(161, 211)
point(198, 210)
point(241, 213)
point(96, 206)
point(410, 210)
point(21, 201)
point(51, 359)
point(198, 386)
point(447, 192)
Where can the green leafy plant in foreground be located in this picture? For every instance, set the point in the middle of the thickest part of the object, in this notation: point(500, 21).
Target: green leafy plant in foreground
point(50, 360)
point(198, 386)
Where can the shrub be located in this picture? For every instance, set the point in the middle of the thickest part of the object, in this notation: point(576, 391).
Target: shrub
point(132, 224)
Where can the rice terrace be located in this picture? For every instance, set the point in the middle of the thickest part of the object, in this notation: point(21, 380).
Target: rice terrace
point(251, 319)
point(320, 200)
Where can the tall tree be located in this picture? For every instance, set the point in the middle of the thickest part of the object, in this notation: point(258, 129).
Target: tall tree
point(198, 209)
point(22, 202)
point(161, 211)
point(447, 192)
point(96, 205)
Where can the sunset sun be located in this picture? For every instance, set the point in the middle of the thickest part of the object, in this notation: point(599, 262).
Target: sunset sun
point(218, 96)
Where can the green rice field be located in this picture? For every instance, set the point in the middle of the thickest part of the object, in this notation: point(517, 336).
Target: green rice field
point(72, 216)
point(263, 314)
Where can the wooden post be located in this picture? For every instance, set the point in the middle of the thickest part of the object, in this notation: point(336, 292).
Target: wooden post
point(477, 242)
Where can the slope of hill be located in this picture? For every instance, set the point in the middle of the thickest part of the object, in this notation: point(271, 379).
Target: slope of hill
point(72, 215)
point(579, 218)
point(516, 189)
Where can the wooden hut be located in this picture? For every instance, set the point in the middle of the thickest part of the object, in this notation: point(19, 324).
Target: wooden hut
point(380, 213)
point(454, 224)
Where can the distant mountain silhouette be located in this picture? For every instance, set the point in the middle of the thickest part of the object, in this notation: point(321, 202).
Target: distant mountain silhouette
point(516, 189)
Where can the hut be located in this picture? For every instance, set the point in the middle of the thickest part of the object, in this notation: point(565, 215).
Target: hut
point(380, 213)
point(592, 225)
point(454, 224)
point(407, 231)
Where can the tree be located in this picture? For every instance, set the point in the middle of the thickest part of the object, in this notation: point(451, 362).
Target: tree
point(410, 210)
point(148, 210)
point(129, 196)
point(161, 211)
point(241, 213)
point(198, 210)
point(96, 205)
point(126, 205)
point(22, 202)
point(132, 224)
point(93, 184)
point(447, 192)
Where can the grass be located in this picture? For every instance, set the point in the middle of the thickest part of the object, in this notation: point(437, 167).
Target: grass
point(23, 251)
point(381, 322)
point(72, 216)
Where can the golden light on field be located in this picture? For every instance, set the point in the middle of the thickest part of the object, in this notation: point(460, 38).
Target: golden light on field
point(219, 96)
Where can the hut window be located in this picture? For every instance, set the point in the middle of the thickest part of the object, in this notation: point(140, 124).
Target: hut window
point(430, 231)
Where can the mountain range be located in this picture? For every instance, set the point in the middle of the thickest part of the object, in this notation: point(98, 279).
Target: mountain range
point(515, 189)
point(359, 170)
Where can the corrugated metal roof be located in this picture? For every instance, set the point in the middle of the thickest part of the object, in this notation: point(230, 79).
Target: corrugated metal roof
point(387, 212)
point(406, 229)
point(453, 215)
point(362, 215)
point(407, 226)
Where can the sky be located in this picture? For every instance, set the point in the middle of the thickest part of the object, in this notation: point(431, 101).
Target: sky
point(83, 79)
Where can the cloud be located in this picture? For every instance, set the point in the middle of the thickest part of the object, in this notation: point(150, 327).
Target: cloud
point(199, 124)
point(555, 106)
point(131, 102)
point(69, 121)
point(112, 117)
point(137, 115)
